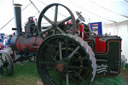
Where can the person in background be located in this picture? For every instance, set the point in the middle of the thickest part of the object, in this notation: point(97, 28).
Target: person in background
point(5, 41)
point(123, 61)
point(8, 48)
point(1, 46)
point(8, 41)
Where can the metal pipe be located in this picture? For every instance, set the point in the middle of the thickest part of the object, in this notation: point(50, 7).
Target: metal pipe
point(17, 9)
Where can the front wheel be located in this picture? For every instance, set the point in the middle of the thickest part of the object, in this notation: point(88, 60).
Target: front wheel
point(6, 64)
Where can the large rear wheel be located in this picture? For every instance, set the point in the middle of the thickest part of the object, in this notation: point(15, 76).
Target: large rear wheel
point(66, 60)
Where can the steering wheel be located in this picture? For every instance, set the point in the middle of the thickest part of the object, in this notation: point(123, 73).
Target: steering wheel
point(54, 22)
point(80, 16)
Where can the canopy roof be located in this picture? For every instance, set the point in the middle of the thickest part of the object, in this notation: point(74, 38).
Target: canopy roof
point(105, 11)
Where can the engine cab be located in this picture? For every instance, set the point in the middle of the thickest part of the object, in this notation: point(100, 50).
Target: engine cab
point(107, 51)
point(30, 27)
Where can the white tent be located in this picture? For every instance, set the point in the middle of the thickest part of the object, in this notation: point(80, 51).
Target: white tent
point(112, 13)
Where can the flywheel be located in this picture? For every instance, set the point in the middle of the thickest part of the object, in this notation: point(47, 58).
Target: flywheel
point(51, 20)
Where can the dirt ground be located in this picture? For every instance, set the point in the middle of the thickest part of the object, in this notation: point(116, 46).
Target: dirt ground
point(124, 74)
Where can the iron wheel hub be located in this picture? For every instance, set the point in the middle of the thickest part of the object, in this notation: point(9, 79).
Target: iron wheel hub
point(60, 67)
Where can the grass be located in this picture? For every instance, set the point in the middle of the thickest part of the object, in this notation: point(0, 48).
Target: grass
point(27, 75)
point(126, 67)
point(108, 81)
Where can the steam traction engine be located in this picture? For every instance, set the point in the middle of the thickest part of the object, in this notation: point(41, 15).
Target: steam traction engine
point(68, 53)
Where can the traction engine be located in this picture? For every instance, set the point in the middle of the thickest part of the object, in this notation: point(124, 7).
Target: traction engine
point(67, 52)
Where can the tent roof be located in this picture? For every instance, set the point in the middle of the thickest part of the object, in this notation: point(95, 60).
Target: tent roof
point(105, 11)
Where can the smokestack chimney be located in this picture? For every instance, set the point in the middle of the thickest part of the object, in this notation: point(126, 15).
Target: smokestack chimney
point(17, 9)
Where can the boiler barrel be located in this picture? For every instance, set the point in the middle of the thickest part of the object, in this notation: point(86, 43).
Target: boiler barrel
point(24, 44)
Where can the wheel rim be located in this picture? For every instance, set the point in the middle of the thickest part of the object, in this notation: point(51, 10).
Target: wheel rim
point(55, 23)
point(61, 63)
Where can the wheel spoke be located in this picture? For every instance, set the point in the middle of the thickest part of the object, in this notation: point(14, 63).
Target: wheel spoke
point(56, 76)
point(67, 78)
point(60, 30)
point(60, 50)
point(79, 76)
point(44, 33)
point(54, 59)
point(77, 67)
point(50, 53)
point(46, 30)
point(61, 81)
point(1, 64)
point(56, 13)
point(66, 19)
point(80, 59)
point(2, 58)
point(48, 63)
point(48, 20)
point(76, 49)
point(66, 46)
point(7, 69)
